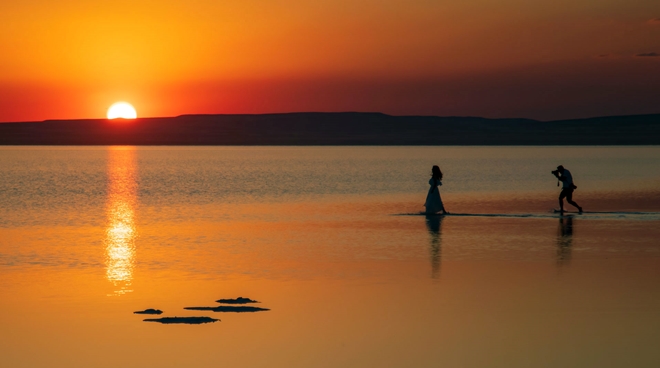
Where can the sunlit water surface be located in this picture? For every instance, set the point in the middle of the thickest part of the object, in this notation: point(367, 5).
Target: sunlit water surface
point(324, 238)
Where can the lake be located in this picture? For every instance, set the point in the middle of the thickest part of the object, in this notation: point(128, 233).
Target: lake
point(329, 240)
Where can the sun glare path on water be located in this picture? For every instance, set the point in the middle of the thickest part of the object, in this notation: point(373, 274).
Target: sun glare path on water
point(121, 230)
point(122, 110)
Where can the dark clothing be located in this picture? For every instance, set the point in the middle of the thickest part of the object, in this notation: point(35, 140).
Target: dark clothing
point(567, 193)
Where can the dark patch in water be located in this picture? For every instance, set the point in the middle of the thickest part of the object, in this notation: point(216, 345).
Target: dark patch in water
point(239, 300)
point(149, 311)
point(186, 320)
point(228, 308)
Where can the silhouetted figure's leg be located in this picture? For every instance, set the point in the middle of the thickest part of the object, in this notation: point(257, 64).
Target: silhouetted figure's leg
point(569, 199)
point(561, 200)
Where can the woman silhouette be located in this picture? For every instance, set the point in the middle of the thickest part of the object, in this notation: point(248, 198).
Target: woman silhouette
point(433, 201)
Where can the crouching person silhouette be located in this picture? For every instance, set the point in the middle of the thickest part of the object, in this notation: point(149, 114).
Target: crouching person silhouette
point(567, 188)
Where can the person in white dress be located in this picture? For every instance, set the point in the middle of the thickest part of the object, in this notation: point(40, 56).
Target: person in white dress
point(433, 201)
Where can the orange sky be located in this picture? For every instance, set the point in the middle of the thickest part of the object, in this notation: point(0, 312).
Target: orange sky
point(507, 58)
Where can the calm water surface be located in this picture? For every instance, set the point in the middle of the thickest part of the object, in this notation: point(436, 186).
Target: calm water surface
point(323, 237)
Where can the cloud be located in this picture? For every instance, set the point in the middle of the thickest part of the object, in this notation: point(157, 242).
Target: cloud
point(648, 54)
point(654, 22)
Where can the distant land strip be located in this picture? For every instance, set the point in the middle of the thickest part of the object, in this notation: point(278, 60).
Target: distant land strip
point(347, 128)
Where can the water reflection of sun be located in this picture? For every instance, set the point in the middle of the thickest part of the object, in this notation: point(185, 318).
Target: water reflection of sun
point(121, 231)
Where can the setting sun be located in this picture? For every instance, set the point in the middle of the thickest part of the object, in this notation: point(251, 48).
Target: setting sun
point(122, 110)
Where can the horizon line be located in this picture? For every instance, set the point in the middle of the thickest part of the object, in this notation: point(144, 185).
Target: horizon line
point(329, 113)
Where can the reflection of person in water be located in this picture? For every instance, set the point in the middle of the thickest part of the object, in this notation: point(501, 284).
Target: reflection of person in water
point(567, 188)
point(564, 239)
point(433, 202)
point(433, 223)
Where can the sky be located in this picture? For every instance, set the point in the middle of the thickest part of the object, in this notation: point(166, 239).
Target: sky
point(560, 59)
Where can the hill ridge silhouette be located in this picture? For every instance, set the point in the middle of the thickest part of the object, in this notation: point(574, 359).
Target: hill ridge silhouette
point(335, 128)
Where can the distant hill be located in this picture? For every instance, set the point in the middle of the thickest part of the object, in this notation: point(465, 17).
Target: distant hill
point(347, 128)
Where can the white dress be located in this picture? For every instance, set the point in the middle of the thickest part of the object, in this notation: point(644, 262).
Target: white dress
point(433, 201)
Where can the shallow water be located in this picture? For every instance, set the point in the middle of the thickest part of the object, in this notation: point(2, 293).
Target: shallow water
point(321, 237)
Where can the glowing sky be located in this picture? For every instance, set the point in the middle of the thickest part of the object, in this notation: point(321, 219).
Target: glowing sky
point(506, 58)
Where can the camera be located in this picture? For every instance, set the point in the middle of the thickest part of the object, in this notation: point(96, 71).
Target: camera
point(555, 172)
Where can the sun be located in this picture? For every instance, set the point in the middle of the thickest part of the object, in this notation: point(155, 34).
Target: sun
point(122, 110)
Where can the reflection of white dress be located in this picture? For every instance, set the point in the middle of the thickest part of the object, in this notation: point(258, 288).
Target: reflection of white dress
point(433, 201)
